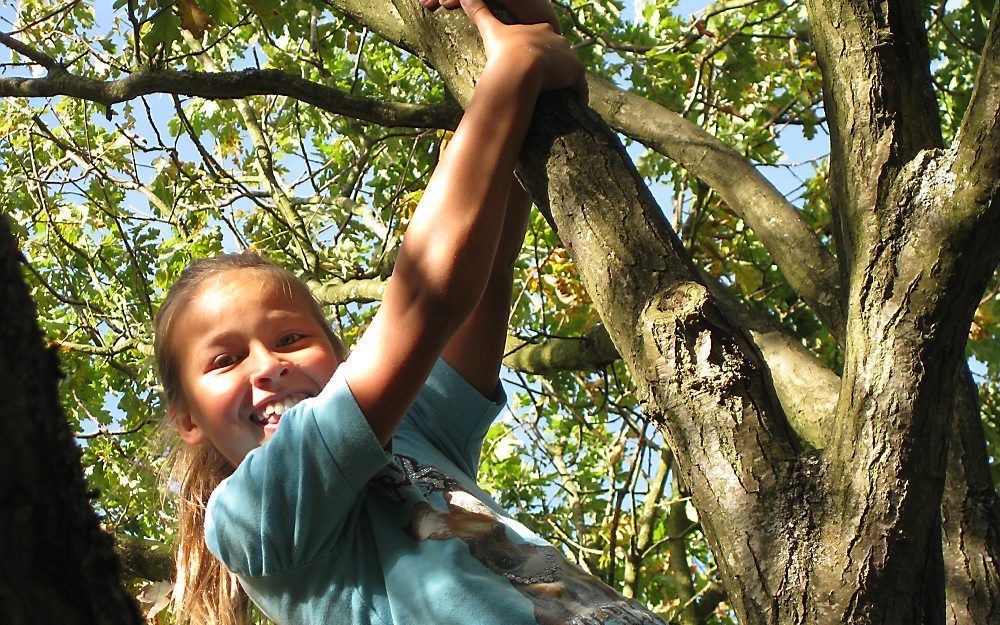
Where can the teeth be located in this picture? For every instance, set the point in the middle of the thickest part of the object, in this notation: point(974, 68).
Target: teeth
point(276, 408)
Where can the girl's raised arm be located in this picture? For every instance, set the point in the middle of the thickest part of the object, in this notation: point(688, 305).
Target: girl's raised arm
point(476, 349)
point(449, 249)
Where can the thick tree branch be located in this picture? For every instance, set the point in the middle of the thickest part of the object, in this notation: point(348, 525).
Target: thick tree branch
point(917, 241)
point(921, 274)
point(880, 105)
point(230, 85)
point(591, 351)
point(807, 265)
point(970, 516)
point(806, 388)
point(58, 564)
point(978, 143)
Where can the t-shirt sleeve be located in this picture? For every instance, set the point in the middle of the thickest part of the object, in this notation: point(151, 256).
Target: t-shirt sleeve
point(290, 500)
point(452, 417)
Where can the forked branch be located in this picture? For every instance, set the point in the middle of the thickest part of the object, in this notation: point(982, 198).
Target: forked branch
point(807, 265)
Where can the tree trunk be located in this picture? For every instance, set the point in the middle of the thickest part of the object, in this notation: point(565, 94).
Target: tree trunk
point(970, 517)
point(799, 538)
point(58, 566)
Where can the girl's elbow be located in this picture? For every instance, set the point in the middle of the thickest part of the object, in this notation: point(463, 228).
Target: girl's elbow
point(446, 303)
point(445, 290)
point(451, 305)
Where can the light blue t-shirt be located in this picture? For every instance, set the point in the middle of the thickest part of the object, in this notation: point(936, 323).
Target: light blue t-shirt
point(323, 526)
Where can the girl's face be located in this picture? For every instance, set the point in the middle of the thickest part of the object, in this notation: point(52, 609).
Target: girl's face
point(247, 351)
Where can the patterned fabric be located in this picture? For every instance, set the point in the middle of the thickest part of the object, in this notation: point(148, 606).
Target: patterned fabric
point(324, 526)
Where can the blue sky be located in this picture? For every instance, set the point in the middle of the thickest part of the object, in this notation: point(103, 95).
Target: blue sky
point(799, 152)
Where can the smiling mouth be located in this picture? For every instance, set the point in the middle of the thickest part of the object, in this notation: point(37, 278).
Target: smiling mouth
point(270, 413)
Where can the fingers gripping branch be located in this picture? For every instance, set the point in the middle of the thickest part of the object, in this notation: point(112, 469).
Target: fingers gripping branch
point(523, 11)
point(479, 14)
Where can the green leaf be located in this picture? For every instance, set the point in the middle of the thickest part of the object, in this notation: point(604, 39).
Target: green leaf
point(165, 29)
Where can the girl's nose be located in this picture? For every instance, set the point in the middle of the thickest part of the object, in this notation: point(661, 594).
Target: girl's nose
point(267, 369)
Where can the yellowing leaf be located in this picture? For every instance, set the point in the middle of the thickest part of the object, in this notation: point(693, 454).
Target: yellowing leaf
point(264, 9)
point(194, 19)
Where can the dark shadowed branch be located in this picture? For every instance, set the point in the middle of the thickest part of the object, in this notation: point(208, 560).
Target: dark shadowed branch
point(58, 565)
point(144, 559)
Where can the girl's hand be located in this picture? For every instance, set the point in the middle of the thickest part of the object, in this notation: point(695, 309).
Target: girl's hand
point(525, 11)
point(443, 268)
point(532, 47)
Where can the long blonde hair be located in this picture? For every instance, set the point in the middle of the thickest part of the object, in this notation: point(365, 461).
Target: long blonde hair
point(204, 590)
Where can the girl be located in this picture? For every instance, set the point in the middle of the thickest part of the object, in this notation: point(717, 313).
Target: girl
point(362, 506)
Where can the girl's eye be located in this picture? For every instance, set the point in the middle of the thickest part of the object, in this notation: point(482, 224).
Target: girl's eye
point(288, 339)
point(223, 361)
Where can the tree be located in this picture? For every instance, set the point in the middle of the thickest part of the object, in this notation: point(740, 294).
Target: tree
point(821, 477)
point(58, 566)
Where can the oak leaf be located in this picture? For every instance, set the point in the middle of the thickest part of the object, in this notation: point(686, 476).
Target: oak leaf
point(194, 19)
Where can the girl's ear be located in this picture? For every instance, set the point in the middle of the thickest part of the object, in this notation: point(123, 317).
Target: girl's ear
point(187, 428)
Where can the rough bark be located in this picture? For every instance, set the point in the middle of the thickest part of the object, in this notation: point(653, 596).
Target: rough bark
point(967, 577)
point(798, 537)
point(807, 265)
point(911, 303)
point(58, 566)
point(879, 103)
point(970, 517)
point(915, 247)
